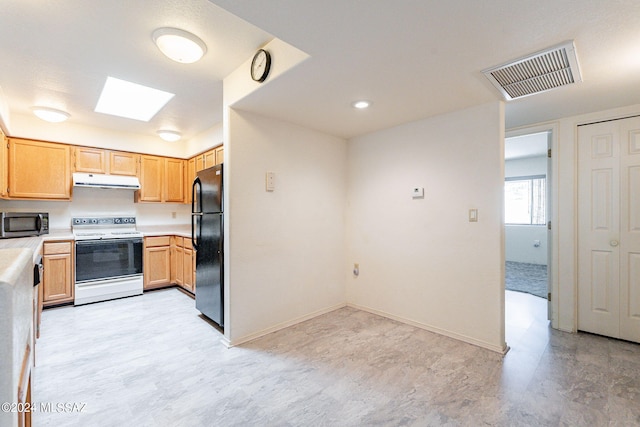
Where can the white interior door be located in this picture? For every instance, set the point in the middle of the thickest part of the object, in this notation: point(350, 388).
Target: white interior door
point(630, 226)
point(609, 228)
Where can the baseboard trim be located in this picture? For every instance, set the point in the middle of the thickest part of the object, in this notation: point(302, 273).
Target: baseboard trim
point(279, 326)
point(502, 350)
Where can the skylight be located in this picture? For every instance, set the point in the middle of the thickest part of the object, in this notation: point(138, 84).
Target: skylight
point(130, 100)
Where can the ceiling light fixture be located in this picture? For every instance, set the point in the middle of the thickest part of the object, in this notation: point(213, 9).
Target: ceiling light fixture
point(361, 105)
point(169, 135)
point(179, 45)
point(50, 114)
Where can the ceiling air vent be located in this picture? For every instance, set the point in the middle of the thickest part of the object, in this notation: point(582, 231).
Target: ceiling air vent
point(539, 72)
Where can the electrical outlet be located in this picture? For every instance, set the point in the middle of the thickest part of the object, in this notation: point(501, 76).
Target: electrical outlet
point(473, 215)
point(173, 215)
point(356, 269)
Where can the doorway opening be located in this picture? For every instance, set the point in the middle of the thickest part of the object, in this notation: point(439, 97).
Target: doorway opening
point(527, 212)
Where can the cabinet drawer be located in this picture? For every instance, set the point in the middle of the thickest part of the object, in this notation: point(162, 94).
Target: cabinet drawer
point(157, 241)
point(57, 248)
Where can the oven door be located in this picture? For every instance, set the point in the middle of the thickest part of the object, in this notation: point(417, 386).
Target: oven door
point(106, 259)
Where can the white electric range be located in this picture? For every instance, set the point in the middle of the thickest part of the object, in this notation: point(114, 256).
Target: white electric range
point(108, 258)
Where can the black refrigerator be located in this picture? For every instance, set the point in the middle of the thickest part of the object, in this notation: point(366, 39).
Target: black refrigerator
point(207, 239)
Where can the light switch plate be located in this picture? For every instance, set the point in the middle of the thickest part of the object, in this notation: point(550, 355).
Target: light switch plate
point(270, 181)
point(417, 192)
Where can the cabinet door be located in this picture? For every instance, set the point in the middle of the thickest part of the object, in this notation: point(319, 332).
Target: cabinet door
point(157, 267)
point(121, 163)
point(174, 180)
point(188, 270)
point(39, 170)
point(219, 155)
point(176, 260)
point(199, 162)
point(57, 280)
point(190, 176)
point(151, 171)
point(4, 165)
point(209, 158)
point(90, 160)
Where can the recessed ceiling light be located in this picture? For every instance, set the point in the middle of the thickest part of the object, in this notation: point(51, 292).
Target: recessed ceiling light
point(169, 135)
point(179, 45)
point(130, 100)
point(50, 114)
point(360, 105)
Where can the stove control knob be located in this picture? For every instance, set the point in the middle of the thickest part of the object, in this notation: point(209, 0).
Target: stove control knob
point(117, 220)
point(94, 221)
point(132, 220)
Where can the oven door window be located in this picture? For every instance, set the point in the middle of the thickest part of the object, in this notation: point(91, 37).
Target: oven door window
point(105, 259)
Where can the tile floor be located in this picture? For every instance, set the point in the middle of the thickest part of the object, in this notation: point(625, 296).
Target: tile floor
point(152, 361)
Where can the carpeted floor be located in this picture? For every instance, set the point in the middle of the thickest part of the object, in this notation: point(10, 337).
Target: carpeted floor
point(529, 278)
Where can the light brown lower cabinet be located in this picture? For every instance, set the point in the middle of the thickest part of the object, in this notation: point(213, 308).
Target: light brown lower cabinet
point(157, 262)
point(169, 260)
point(57, 281)
point(183, 263)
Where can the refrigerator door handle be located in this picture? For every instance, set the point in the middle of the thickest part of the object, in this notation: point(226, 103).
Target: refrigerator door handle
point(196, 201)
point(195, 238)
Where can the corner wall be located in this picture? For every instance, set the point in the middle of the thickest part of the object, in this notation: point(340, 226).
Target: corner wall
point(285, 249)
point(421, 260)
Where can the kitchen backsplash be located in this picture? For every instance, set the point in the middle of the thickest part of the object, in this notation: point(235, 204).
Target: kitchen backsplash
point(99, 202)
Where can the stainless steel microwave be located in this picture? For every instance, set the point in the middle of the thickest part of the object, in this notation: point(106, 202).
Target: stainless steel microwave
point(21, 224)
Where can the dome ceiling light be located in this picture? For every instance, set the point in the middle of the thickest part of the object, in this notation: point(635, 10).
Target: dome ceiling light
point(50, 115)
point(361, 105)
point(169, 135)
point(179, 45)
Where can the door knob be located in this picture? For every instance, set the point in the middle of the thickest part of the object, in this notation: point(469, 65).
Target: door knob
point(613, 243)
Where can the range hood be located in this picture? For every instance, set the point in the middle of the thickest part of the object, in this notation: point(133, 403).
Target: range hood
point(97, 180)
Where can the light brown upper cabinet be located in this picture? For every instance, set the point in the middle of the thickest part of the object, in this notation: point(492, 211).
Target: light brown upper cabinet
point(39, 170)
point(90, 160)
point(97, 160)
point(219, 155)
point(174, 180)
point(4, 164)
point(213, 157)
point(151, 172)
point(190, 174)
point(161, 180)
point(121, 163)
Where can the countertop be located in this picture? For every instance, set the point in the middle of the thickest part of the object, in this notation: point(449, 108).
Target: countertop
point(183, 230)
point(35, 243)
point(16, 317)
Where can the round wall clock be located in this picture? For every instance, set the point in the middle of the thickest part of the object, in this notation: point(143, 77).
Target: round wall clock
point(260, 65)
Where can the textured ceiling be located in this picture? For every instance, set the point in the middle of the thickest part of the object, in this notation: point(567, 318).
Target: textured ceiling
point(59, 54)
point(416, 59)
point(412, 58)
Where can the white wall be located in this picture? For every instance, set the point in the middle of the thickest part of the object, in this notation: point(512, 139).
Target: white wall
point(285, 249)
point(421, 260)
point(204, 140)
point(25, 126)
point(519, 239)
